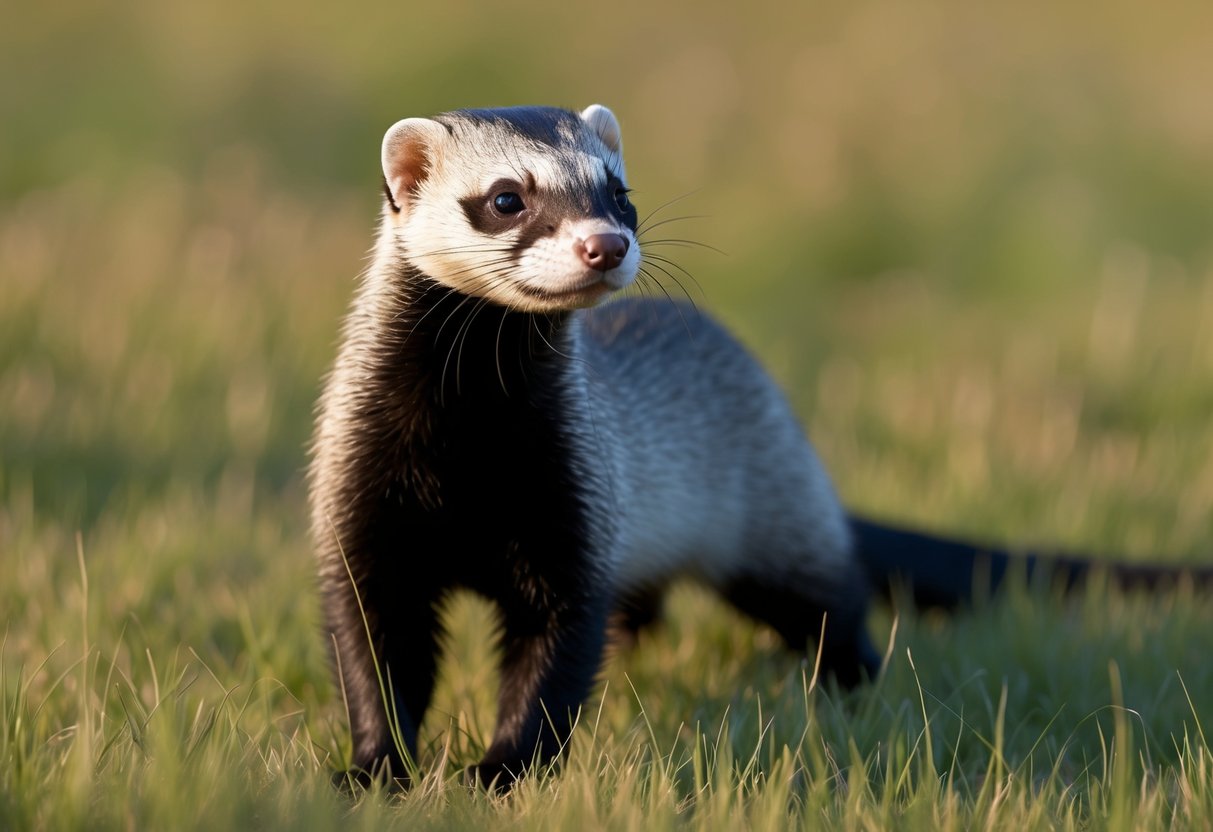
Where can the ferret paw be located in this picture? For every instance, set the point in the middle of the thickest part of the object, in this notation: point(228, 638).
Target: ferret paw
point(494, 778)
point(354, 781)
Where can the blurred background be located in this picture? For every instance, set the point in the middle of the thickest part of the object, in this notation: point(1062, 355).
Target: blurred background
point(972, 241)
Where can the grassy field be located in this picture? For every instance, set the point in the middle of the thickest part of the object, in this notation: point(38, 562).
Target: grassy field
point(973, 243)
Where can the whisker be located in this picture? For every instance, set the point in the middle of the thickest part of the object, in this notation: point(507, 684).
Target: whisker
point(438, 338)
point(539, 332)
point(472, 248)
point(660, 286)
point(677, 306)
point(644, 229)
point(674, 241)
point(674, 278)
point(643, 284)
point(451, 314)
point(500, 261)
point(466, 331)
point(655, 259)
point(663, 206)
point(497, 351)
point(417, 323)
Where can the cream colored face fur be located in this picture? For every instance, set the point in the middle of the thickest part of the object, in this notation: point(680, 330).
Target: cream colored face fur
point(443, 174)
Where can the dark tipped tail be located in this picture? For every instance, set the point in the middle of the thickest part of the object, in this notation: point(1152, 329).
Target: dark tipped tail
point(938, 572)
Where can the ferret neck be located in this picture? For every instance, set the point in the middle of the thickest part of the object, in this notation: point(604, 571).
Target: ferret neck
point(470, 348)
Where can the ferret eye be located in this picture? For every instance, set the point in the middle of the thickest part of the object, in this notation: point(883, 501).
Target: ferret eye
point(621, 198)
point(508, 202)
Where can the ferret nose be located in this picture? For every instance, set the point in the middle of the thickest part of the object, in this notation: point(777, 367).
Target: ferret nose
point(602, 252)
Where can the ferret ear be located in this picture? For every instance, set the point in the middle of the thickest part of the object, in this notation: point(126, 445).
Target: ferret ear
point(409, 148)
point(603, 122)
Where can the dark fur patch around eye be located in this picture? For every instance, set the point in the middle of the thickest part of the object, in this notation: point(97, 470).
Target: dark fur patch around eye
point(626, 213)
point(545, 209)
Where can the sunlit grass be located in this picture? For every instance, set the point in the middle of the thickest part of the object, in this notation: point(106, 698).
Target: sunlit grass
point(153, 446)
point(717, 729)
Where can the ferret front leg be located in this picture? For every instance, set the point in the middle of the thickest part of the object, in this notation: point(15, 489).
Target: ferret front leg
point(550, 657)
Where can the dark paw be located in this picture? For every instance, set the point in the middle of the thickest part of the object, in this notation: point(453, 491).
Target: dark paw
point(356, 780)
point(851, 664)
point(495, 778)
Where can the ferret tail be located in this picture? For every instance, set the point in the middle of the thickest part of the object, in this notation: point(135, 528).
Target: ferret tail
point(949, 573)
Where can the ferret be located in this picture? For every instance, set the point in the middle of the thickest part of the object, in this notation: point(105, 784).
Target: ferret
point(493, 424)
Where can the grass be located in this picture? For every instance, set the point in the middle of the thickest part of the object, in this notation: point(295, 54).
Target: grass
point(972, 247)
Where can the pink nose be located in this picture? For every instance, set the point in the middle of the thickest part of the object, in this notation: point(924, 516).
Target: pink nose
point(602, 252)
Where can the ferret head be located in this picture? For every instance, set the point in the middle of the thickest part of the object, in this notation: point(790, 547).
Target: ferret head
point(527, 207)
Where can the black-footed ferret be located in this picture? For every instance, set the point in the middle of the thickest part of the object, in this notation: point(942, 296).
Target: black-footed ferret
point(489, 426)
